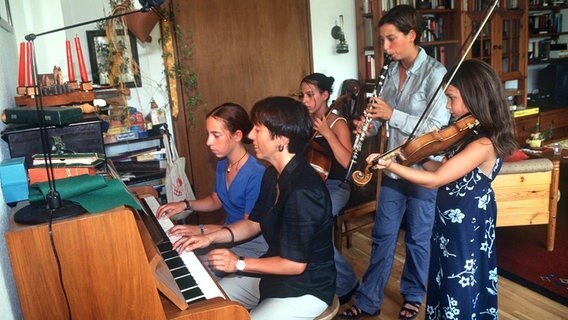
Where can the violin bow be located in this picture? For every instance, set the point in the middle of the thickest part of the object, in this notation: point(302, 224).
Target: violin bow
point(490, 9)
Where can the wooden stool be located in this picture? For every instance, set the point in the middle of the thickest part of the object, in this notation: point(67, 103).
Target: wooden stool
point(331, 311)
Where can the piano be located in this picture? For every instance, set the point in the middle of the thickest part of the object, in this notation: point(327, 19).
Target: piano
point(114, 265)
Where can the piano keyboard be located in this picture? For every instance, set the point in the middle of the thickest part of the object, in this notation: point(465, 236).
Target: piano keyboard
point(193, 280)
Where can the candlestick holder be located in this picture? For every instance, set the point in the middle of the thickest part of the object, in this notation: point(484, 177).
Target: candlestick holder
point(21, 91)
point(30, 91)
point(74, 85)
point(86, 86)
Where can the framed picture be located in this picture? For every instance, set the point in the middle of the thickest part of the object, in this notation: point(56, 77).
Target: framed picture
point(101, 56)
point(5, 16)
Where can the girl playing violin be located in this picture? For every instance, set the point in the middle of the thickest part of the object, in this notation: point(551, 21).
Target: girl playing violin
point(462, 280)
point(334, 138)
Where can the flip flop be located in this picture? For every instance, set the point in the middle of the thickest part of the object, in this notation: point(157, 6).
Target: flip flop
point(411, 312)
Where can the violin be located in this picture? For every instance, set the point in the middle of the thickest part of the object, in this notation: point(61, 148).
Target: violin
point(436, 142)
point(318, 158)
point(418, 149)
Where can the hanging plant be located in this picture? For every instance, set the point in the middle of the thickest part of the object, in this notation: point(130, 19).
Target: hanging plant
point(186, 75)
point(119, 64)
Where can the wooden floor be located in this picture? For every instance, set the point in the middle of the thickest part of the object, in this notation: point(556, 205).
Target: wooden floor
point(515, 301)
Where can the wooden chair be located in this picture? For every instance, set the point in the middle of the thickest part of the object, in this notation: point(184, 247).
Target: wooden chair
point(527, 194)
point(363, 200)
point(330, 312)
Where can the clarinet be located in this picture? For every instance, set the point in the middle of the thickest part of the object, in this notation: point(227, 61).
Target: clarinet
point(358, 144)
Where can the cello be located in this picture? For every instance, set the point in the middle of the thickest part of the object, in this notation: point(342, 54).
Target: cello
point(318, 158)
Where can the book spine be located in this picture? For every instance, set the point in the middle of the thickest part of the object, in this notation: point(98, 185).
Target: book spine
point(525, 112)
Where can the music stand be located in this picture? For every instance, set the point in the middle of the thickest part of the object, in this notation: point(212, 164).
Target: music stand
point(53, 208)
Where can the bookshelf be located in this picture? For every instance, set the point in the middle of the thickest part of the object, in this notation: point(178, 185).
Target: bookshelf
point(547, 32)
point(442, 38)
point(502, 43)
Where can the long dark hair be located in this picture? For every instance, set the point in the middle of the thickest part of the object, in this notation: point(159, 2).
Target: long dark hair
point(234, 117)
point(482, 92)
point(321, 81)
point(284, 117)
point(404, 18)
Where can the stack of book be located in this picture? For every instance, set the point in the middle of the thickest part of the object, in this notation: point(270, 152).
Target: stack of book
point(146, 167)
point(64, 165)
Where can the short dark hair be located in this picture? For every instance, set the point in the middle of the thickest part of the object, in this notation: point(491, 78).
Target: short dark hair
point(285, 117)
point(234, 117)
point(404, 18)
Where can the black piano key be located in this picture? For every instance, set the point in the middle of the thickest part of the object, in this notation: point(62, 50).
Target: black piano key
point(175, 263)
point(179, 272)
point(186, 282)
point(192, 294)
point(165, 246)
point(169, 254)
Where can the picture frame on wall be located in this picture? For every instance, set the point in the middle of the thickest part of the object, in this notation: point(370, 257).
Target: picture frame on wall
point(5, 16)
point(100, 54)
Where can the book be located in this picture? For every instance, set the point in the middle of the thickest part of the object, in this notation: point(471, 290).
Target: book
point(39, 174)
point(69, 159)
point(51, 116)
point(525, 112)
point(138, 166)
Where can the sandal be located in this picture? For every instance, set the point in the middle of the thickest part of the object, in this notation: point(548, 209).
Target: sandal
point(355, 313)
point(409, 310)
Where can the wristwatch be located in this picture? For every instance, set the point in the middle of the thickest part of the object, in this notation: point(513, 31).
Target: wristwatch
point(241, 264)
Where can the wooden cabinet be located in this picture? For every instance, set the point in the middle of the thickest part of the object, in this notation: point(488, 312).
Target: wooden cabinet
point(502, 42)
point(441, 38)
point(554, 121)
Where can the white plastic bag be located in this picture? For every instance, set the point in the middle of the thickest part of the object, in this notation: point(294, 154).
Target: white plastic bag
point(177, 184)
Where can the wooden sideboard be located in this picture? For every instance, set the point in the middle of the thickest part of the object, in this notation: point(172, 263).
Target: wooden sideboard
point(556, 119)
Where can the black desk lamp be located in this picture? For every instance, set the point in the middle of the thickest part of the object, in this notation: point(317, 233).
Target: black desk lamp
point(54, 208)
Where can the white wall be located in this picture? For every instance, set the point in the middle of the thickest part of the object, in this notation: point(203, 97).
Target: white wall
point(325, 15)
point(41, 16)
point(9, 305)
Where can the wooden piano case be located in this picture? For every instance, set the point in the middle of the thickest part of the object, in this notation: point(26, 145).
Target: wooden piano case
point(105, 272)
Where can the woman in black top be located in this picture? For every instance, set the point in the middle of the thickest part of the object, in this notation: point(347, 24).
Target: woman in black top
point(296, 277)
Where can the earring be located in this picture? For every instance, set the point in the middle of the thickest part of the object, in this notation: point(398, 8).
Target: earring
point(280, 148)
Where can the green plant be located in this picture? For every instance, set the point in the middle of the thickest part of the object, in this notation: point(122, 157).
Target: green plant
point(178, 66)
point(115, 63)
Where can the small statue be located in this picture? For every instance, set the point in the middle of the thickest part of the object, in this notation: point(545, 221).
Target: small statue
point(535, 140)
point(57, 75)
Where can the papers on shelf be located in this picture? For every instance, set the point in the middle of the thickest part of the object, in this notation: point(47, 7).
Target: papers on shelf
point(69, 159)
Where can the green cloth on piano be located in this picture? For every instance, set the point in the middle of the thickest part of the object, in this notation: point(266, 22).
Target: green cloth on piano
point(94, 193)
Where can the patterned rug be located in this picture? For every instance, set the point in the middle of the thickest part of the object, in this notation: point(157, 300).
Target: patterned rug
point(522, 257)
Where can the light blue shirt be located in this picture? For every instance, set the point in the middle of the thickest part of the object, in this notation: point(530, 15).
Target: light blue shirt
point(422, 79)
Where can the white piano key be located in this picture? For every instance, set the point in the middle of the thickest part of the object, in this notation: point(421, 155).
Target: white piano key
point(204, 280)
point(201, 276)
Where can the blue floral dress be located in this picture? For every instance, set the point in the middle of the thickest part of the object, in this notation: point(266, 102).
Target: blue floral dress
point(463, 265)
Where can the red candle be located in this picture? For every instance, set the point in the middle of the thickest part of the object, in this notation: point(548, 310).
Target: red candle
point(29, 65)
point(70, 69)
point(22, 65)
point(82, 68)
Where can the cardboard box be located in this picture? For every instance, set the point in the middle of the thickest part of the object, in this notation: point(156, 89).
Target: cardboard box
point(14, 180)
